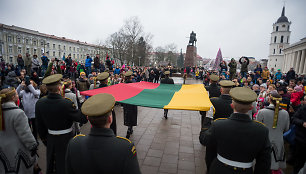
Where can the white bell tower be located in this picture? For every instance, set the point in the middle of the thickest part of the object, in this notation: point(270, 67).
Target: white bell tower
point(280, 37)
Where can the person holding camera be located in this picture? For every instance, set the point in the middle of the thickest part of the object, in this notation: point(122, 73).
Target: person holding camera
point(29, 93)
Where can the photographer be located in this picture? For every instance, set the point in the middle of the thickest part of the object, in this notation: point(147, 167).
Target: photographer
point(29, 93)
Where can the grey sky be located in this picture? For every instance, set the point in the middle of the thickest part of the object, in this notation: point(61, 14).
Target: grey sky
point(238, 27)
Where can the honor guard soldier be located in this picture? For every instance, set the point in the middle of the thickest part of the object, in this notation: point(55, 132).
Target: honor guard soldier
point(101, 151)
point(55, 116)
point(166, 80)
point(103, 79)
point(213, 88)
point(238, 140)
point(129, 111)
point(223, 109)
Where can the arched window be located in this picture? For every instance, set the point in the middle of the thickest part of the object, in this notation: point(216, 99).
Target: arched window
point(276, 28)
point(282, 39)
point(274, 51)
point(275, 39)
point(287, 39)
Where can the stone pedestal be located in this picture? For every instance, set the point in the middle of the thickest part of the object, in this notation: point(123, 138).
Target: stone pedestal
point(191, 55)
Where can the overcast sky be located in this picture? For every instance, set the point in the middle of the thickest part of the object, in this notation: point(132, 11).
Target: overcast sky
point(238, 27)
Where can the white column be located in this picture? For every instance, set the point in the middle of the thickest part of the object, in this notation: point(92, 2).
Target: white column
point(304, 71)
point(293, 57)
point(302, 63)
point(298, 60)
point(284, 62)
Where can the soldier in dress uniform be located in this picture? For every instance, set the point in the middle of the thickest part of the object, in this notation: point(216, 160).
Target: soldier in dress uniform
point(223, 109)
point(55, 116)
point(213, 88)
point(166, 80)
point(103, 79)
point(101, 151)
point(238, 140)
point(129, 111)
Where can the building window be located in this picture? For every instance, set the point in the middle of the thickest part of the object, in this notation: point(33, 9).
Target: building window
point(27, 41)
point(282, 39)
point(275, 39)
point(42, 51)
point(77, 49)
point(59, 47)
point(276, 28)
point(11, 59)
point(53, 53)
point(59, 54)
point(53, 46)
point(10, 50)
point(273, 51)
point(28, 50)
point(0, 49)
point(73, 48)
point(73, 56)
point(34, 42)
point(19, 50)
point(9, 38)
point(42, 43)
point(64, 47)
point(18, 39)
point(35, 51)
point(280, 51)
point(78, 56)
point(275, 60)
point(288, 27)
point(275, 65)
point(287, 39)
point(283, 26)
point(69, 48)
point(48, 45)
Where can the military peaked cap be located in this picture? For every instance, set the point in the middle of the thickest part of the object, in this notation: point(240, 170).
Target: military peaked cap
point(52, 79)
point(243, 95)
point(98, 105)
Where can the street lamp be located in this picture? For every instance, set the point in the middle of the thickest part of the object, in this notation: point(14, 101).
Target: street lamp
point(139, 61)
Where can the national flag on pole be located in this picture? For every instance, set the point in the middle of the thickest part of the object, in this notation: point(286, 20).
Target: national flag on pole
point(219, 59)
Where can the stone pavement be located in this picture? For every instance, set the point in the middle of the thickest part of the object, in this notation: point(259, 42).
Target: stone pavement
point(163, 146)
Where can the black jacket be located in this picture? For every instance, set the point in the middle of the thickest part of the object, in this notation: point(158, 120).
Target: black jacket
point(167, 80)
point(238, 138)
point(214, 90)
point(101, 152)
point(298, 119)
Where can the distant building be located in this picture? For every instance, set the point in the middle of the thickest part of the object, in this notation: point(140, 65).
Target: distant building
point(16, 40)
point(280, 37)
point(295, 57)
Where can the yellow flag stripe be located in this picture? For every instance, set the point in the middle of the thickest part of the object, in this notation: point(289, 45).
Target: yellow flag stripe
point(190, 97)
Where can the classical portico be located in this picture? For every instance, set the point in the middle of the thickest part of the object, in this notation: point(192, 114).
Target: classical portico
point(295, 57)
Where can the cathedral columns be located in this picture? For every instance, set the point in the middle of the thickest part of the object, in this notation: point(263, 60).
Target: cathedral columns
point(302, 63)
point(298, 60)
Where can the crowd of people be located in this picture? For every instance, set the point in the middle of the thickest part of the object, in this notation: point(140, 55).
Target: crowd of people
point(32, 91)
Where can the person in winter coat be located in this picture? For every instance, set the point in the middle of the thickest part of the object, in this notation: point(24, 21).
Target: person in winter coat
point(82, 83)
point(117, 70)
point(97, 63)
point(299, 119)
point(11, 80)
point(28, 63)
point(45, 62)
point(290, 75)
point(17, 144)
point(265, 75)
point(278, 75)
point(88, 64)
point(20, 62)
point(223, 67)
point(258, 72)
point(35, 64)
point(296, 96)
point(277, 121)
point(30, 94)
point(244, 61)
point(233, 66)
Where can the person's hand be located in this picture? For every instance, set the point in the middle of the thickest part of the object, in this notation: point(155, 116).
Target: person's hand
point(22, 83)
point(304, 124)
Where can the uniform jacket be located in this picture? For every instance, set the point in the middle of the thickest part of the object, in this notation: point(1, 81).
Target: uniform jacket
point(167, 80)
point(56, 113)
point(130, 113)
point(214, 90)
point(240, 139)
point(16, 141)
point(275, 134)
point(244, 65)
point(29, 99)
point(101, 152)
point(222, 106)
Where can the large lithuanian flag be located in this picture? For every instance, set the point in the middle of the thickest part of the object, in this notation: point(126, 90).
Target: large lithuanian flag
point(155, 95)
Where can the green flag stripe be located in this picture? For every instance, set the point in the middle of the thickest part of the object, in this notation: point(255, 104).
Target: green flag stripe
point(156, 98)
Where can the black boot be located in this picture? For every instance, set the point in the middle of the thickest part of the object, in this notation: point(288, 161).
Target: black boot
point(129, 132)
point(166, 113)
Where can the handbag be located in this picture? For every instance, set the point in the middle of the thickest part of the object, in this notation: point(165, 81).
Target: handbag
point(289, 136)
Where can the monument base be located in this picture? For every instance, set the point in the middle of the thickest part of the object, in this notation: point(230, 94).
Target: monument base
point(191, 55)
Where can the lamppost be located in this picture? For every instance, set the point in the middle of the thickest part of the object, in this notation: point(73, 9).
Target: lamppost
point(139, 60)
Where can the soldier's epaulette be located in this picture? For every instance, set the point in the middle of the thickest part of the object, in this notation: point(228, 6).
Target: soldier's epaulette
point(124, 139)
point(220, 119)
point(214, 97)
point(68, 98)
point(259, 122)
point(79, 135)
